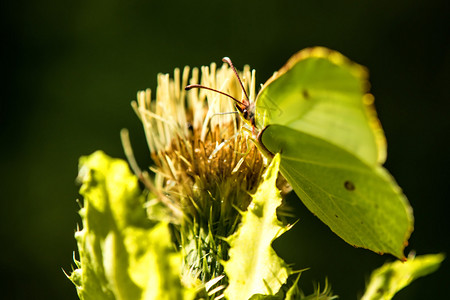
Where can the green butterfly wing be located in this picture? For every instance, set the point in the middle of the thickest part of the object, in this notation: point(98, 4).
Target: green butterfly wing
point(317, 113)
point(322, 93)
point(361, 203)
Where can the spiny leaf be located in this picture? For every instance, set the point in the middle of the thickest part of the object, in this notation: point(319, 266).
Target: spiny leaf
point(123, 255)
point(387, 280)
point(254, 267)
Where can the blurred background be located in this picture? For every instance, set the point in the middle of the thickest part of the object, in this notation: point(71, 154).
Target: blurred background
point(71, 69)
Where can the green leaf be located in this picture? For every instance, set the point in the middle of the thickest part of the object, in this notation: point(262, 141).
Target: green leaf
point(386, 281)
point(361, 203)
point(123, 255)
point(254, 267)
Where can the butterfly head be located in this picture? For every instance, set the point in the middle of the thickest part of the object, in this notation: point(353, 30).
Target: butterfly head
point(247, 111)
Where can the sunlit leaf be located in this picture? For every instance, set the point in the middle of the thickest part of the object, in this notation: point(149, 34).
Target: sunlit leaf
point(386, 281)
point(254, 267)
point(123, 255)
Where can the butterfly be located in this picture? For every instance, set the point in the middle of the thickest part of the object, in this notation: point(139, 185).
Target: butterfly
point(332, 147)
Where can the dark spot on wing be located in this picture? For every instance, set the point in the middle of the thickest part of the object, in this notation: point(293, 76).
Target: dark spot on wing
point(336, 216)
point(306, 94)
point(349, 186)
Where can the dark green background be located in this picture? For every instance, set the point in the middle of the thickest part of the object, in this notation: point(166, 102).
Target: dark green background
point(72, 68)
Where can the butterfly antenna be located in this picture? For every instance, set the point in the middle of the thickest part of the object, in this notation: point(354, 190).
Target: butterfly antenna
point(228, 61)
point(199, 86)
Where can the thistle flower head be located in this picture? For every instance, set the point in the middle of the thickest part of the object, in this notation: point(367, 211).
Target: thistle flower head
point(206, 166)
